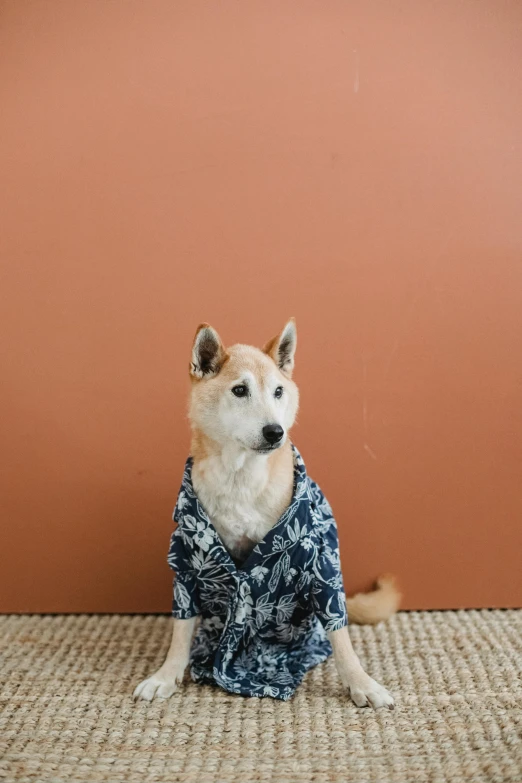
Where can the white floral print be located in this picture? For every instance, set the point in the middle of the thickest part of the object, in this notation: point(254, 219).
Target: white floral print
point(259, 573)
point(245, 603)
point(203, 536)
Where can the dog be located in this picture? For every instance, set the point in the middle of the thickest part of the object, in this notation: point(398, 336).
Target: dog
point(255, 551)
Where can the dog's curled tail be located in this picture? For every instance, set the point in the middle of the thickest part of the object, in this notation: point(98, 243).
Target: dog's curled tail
point(379, 604)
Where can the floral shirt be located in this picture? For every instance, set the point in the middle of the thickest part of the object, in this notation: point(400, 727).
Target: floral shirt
point(262, 624)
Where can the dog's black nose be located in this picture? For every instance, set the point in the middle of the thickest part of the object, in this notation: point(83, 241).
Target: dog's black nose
point(273, 433)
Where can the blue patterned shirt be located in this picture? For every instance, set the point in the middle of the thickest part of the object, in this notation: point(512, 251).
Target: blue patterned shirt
point(262, 624)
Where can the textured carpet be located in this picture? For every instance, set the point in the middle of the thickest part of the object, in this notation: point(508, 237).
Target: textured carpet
point(66, 712)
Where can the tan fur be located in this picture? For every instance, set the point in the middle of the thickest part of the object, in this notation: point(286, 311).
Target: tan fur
point(245, 489)
point(374, 607)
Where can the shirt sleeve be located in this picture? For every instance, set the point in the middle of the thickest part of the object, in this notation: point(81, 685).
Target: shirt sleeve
point(185, 601)
point(327, 586)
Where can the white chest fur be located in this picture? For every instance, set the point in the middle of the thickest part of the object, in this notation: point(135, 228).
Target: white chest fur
point(241, 497)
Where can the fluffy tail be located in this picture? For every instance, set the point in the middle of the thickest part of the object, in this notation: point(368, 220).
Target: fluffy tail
point(380, 604)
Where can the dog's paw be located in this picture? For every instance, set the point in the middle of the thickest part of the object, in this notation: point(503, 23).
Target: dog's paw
point(368, 693)
point(158, 686)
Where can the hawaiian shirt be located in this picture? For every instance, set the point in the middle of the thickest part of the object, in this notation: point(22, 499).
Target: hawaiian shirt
point(264, 623)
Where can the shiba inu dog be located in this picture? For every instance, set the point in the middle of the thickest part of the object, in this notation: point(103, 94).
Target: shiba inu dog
point(243, 403)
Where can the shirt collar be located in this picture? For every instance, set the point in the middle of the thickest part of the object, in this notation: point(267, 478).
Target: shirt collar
point(195, 524)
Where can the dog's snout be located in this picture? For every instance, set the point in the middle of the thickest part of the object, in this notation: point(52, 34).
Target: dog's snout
point(273, 433)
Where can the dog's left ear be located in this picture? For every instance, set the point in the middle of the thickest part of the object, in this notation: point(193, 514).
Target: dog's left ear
point(282, 348)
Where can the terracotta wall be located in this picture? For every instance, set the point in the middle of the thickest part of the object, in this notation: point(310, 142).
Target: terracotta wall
point(357, 165)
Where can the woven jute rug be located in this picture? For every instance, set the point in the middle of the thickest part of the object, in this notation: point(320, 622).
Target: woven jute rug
point(66, 711)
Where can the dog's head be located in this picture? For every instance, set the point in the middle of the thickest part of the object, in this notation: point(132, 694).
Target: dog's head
point(244, 396)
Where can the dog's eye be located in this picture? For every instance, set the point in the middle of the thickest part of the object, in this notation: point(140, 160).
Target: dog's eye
point(240, 391)
point(278, 392)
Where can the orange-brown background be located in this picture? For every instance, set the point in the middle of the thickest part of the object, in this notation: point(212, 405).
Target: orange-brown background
point(357, 165)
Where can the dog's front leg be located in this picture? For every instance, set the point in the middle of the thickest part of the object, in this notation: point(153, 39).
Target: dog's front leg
point(363, 690)
point(165, 681)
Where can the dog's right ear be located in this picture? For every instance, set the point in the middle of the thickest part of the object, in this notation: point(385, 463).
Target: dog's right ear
point(208, 353)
